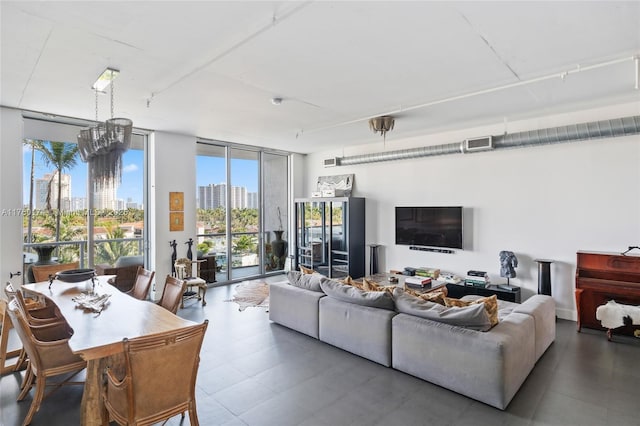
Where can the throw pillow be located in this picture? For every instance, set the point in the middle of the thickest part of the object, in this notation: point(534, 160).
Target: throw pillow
point(306, 270)
point(474, 317)
point(490, 304)
point(350, 294)
point(350, 281)
point(306, 281)
point(370, 285)
point(436, 296)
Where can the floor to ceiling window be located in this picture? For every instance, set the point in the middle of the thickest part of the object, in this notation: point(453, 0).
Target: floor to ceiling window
point(241, 207)
point(57, 221)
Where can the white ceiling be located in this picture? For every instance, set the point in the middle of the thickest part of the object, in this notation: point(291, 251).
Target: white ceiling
point(210, 68)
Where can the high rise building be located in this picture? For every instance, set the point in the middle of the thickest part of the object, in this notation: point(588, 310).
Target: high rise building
point(238, 197)
point(252, 200)
point(132, 204)
point(219, 195)
point(50, 181)
point(79, 203)
point(212, 196)
point(105, 198)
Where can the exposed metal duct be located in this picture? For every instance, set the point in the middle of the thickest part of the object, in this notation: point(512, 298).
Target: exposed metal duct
point(576, 132)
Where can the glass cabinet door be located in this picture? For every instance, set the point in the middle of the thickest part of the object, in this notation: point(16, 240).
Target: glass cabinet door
point(338, 224)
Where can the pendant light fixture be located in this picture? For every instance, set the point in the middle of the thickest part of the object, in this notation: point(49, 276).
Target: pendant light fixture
point(102, 145)
point(382, 124)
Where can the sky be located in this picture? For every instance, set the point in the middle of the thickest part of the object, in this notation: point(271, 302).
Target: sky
point(209, 170)
point(212, 170)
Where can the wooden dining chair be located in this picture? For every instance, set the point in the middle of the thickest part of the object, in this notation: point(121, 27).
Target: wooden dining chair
point(36, 313)
point(5, 353)
point(172, 294)
point(42, 272)
point(142, 284)
point(159, 381)
point(49, 355)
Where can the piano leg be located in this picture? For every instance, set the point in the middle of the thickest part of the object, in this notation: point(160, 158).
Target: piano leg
point(578, 295)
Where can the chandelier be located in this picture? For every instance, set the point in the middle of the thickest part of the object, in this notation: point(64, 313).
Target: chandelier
point(102, 145)
point(382, 124)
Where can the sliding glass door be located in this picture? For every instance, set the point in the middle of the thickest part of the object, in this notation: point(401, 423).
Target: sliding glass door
point(242, 210)
point(244, 213)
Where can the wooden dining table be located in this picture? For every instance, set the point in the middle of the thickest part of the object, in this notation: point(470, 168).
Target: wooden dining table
point(97, 337)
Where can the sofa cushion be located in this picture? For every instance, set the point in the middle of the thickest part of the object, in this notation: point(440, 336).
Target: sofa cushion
point(350, 294)
point(306, 281)
point(473, 316)
point(490, 304)
point(128, 261)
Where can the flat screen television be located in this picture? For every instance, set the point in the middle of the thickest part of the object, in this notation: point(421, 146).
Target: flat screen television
point(429, 226)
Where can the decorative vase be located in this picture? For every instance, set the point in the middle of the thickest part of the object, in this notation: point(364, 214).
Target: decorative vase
point(44, 258)
point(279, 248)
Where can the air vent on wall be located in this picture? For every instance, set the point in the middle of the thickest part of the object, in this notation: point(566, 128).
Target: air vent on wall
point(478, 144)
point(331, 162)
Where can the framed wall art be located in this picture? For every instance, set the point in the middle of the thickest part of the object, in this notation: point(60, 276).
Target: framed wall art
point(176, 201)
point(176, 221)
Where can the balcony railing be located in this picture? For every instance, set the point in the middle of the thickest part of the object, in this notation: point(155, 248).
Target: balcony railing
point(72, 251)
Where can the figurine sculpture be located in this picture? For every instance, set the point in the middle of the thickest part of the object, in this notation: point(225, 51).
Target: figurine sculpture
point(174, 256)
point(189, 252)
point(508, 264)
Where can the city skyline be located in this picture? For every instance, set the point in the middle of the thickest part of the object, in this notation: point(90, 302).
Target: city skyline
point(132, 175)
point(209, 170)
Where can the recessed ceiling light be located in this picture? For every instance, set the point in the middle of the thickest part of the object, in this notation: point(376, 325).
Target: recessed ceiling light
point(105, 79)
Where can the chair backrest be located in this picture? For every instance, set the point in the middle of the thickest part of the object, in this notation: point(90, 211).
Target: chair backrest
point(183, 268)
point(142, 285)
point(172, 294)
point(37, 315)
point(42, 272)
point(9, 292)
point(162, 371)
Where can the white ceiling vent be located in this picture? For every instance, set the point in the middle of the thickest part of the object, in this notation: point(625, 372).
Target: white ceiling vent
point(478, 144)
point(331, 162)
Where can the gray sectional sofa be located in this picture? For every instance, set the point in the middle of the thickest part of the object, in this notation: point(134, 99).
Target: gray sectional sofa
point(487, 366)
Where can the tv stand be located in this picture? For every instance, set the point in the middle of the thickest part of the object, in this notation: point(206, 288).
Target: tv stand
point(432, 249)
point(458, 290)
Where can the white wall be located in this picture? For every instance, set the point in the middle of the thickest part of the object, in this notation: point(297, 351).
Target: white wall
point(541, 202)
point(11, 124)
point(173, 162)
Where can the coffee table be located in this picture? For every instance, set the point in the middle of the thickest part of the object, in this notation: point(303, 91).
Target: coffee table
point(382, 278)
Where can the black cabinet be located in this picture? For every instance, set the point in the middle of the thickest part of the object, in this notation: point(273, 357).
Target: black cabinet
point(330, 235)
point(457, 291)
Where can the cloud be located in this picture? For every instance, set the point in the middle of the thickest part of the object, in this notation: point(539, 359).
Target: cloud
point(130, 168)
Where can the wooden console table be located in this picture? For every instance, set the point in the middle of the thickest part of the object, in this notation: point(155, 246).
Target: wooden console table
point(601, 277)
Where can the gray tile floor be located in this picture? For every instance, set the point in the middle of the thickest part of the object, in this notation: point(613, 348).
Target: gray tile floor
point(254, 372)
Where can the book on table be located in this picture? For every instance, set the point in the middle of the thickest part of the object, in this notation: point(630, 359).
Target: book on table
point(418, 281)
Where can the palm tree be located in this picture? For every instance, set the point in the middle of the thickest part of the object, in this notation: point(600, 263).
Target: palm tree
point(36, 145)
point(62, 156)
point(110, 251)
